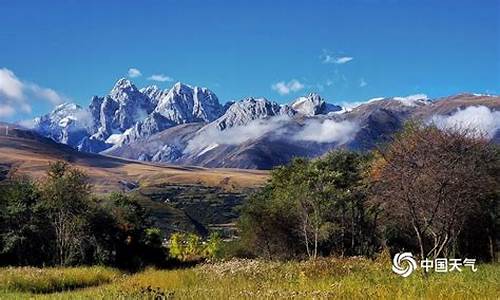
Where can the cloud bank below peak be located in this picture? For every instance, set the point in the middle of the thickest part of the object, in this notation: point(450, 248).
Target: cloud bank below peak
point(479, 119)
point(313, 130)
point(327, 131)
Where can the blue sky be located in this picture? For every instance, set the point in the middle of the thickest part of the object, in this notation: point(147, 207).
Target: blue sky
point(345, 50)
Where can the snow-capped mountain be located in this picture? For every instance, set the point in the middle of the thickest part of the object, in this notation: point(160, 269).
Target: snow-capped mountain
point(186, 104)
point(188, 125)
point(312, 105)
point(179, 105)
point(127, 114)
point(120, 110)
point(68, 123)
point(249, 109)
point(260, 134)
point(154, 93)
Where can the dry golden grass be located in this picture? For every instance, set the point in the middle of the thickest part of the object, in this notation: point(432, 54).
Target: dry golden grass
point(325, 278)
point(50, 280)
point(32, 157)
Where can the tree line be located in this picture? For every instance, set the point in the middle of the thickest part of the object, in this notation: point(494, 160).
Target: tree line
point(57, 221)
point(430, 191)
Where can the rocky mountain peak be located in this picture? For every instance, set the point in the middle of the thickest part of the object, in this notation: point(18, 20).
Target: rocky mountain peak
point(68, 123)
point(153, 92)
point(184, 104)
point(248, 109)
point(66, 107)
point(123, 85)
point(150, 89)
point(312, 105)
point(180, 88)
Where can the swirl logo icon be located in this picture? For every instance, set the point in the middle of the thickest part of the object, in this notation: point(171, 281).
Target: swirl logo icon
point(405, 258)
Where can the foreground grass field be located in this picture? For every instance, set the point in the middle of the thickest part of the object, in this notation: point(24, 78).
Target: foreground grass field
point(246, 279)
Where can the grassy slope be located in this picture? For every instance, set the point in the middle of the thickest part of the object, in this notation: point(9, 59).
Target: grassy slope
point(31, 155)
point(321, 279)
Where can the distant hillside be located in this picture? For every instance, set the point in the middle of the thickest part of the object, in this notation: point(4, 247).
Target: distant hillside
point(180, 198)
point(30, 153)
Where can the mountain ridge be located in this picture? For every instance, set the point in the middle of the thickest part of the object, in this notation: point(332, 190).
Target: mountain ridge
point(188, 125)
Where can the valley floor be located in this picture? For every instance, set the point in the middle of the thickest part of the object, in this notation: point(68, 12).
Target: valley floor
point(327, 278)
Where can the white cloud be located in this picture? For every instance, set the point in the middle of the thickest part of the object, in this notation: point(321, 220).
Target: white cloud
point(160, 78)
point(343, 59)
point(29, 123)
point(16, 95)
point(285, 88)
point(133, 73)
point(84, 118)
point(6, 111)
point(320, 131)
point(480, 119)
point(10, 85)
point(211, 136)
point(373, 100)
point(46, 93)
point(329, 58)
point(363, 83)
point(327, 131)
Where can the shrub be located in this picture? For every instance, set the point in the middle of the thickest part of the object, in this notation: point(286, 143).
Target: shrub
point(190, 247)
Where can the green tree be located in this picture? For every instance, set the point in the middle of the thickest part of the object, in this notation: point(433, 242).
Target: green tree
point(191, 247)
point(24, 234)
point(213, 246)
point(317, 203)
point(66, 198)
point(176, 245)
point(58, 222)
point(133, 222)
point(269, 227)
point(153, 237)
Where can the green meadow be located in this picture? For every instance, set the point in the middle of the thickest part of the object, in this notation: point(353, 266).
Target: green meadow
point(323, 278)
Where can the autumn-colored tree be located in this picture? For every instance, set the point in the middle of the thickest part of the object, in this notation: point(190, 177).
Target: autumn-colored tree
point(434, 179)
